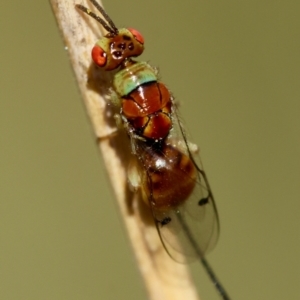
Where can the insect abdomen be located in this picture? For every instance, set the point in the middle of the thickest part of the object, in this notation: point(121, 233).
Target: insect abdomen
point(170, 177)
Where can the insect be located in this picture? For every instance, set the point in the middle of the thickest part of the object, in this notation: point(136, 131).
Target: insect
point(171, 179)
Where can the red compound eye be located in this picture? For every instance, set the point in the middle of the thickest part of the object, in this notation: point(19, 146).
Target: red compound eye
point(99, 56)
point(137, 35)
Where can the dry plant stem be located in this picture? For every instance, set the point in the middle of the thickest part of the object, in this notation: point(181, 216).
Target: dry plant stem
point(164, 278)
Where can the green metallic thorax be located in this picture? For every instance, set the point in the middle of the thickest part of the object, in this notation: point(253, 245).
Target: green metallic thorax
point(131, 77)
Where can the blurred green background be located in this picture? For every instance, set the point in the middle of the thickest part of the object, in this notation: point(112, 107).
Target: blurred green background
point(235, 68)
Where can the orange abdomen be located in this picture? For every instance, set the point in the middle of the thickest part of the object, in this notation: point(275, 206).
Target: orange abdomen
point(170, 177)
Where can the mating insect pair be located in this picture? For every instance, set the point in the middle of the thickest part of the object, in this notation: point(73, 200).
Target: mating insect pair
point(172, 183)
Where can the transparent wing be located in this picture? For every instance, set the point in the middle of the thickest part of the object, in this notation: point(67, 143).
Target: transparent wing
point(190, 230)
point(179, 196)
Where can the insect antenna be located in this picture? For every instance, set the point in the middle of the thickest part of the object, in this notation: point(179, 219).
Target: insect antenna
point(204, 262)
point(106, 21)
point(214, 279)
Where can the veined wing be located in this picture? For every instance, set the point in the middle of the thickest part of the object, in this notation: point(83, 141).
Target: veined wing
point(179, 196)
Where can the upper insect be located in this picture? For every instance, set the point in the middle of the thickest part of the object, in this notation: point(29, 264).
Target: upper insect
point(170, 181)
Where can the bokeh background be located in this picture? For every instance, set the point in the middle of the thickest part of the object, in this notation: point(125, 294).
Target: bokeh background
point(235, 68)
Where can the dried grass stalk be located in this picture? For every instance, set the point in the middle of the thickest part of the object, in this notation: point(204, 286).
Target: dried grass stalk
point(164, 278)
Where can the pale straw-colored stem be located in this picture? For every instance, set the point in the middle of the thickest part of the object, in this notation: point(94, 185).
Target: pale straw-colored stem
point(164, 278)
